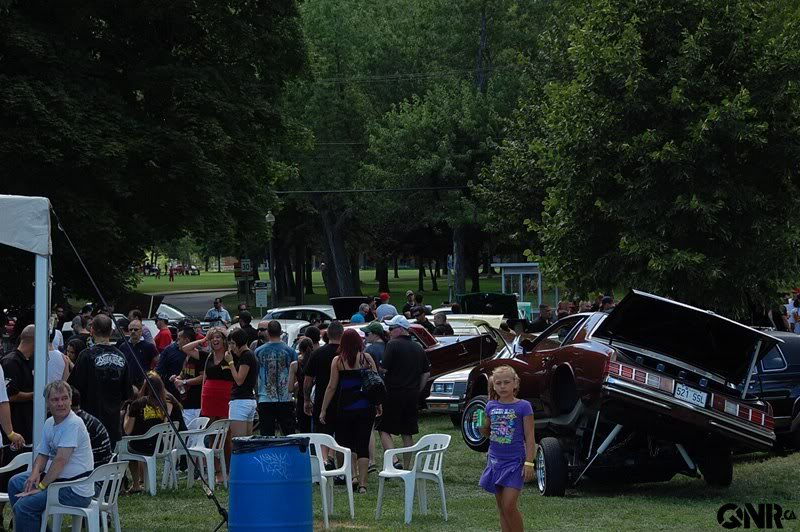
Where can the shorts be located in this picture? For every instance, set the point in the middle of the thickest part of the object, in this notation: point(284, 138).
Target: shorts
point(400, 413)
point(242, 410)
point(190, 414)
point(503, 472)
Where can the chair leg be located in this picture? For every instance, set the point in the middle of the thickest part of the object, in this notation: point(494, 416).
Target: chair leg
point(422, 495)
point(117, 525)
point(380, 498)
point(77, 524)
point(323, 490)
point(409, 497)
point(224, 467)
point(444, 500)
point(151, 477)
point(166, 476)
point(56, 521)
point(330, 483)
point(189, 473)
point(212, 479)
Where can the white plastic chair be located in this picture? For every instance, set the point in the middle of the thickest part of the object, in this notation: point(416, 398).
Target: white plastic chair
point(23, 459)
point(110, 475)
point(427, 465)
point(217, 432)
point(164, 444)
point(325, 478)
point(169, 478)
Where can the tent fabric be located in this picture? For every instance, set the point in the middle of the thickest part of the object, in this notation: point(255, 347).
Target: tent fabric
point(25, 223)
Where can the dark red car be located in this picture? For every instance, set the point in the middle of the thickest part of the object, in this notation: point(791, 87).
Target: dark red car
point(639, 394)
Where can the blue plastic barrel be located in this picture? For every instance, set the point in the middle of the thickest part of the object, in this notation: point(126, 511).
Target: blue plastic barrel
point(270, 485)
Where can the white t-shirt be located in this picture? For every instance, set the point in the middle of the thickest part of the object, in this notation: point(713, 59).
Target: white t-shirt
point(58, 341)
point(55, 366)
point(3, 391)
point(70, 433)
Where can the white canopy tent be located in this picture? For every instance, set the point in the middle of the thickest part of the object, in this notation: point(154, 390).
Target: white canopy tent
point(25, 224)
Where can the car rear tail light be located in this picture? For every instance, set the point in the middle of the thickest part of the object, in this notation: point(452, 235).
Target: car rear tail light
point(616, 369)
point(742, 412)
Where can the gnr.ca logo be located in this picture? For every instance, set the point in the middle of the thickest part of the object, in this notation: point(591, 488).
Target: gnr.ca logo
point(748, 515)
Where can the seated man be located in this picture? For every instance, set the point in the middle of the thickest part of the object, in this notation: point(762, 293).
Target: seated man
point(65, 453)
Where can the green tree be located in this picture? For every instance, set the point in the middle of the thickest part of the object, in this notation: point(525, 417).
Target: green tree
point(140, 120)
point(668, 145)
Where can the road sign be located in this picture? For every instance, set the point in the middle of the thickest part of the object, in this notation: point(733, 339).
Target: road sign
point(262, 293)
point(246, 266)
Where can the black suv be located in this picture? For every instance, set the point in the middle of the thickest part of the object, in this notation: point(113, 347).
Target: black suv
point(777, 381)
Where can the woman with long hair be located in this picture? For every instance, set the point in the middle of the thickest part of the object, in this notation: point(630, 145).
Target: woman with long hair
point(144, 413)
point(297, 373)
point(356, 414)
point(74, 348)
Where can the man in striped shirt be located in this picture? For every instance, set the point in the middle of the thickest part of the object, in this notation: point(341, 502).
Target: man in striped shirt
point(98, 435)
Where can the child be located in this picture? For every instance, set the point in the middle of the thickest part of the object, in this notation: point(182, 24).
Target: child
point(509, 425)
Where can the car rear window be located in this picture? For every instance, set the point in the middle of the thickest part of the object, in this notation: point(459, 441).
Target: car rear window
point(773, 360)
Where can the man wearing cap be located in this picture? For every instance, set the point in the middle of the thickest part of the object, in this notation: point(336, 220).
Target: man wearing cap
point(361, 315)
point(164, 336)
point(607, 304)
point(376, 343)
point(407, 371)
point(422, 319)
point(409, 303)
point(386, 311)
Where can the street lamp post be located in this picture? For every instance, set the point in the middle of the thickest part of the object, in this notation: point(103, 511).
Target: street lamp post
point(270, 218)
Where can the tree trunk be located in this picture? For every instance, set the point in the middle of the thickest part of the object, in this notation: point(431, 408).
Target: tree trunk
point(219, 262)
point(309, 266)
point(299, 273)
point(459, 259)
point(288, 277)
point(208, 262)
point(382, 273)
point(434, 267)
point(421, 270)
point(474, 264)
point(355, 272)
point(396, 268)
point(340, 267)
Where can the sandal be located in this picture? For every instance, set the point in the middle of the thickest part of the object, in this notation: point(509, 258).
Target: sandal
point(361, 490)
point(133, 491)
point(397, 465)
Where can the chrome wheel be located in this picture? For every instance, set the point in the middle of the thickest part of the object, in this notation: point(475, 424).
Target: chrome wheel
point(541, 479)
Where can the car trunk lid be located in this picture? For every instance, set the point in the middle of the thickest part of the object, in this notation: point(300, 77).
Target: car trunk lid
point(689, 334)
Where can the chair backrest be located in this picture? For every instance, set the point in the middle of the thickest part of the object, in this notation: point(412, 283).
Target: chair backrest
point(198, 423)
point(316, 441)
point(111, 476)
point(217, 431)
point(19, 461)
point(165, 439)
point(431, 462)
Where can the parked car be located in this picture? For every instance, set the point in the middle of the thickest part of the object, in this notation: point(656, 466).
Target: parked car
point(639, 394)
point(448, 393)
point(777, 381)
point(315, 314)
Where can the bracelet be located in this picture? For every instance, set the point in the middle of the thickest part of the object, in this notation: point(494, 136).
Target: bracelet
point(531, 464)
point(11, 434)
point(42, 486)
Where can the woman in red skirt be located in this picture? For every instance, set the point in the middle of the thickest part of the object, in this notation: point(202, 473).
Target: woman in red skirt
point(217, 384)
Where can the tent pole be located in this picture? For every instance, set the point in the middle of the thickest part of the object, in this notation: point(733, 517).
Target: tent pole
point(42, 320)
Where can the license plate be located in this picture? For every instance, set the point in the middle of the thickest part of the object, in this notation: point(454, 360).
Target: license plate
point(438, 406)
point(690, 395)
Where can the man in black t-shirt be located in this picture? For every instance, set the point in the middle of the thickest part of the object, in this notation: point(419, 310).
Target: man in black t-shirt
point(407, 371)
point(137, 348)
point(101, 376)
point(317, 375)
point(98, 435)
point(18, 370)
point(244, 369)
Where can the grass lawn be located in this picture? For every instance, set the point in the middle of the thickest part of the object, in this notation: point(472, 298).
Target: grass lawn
point(681, 504)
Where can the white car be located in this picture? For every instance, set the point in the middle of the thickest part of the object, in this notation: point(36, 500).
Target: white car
point(290, 329)
point(309, 313)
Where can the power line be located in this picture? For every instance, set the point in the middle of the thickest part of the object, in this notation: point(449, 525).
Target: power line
point(360, 190)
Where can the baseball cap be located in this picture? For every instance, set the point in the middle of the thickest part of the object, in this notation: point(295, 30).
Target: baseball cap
point(162, 316)
point(398, 321)
point(384, 296)
point(361, 333)
point(409, 293)
point(373, 328)
point(607, 299)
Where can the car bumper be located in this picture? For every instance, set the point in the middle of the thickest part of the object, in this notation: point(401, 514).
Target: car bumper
point(688, 418)
point(445, 404)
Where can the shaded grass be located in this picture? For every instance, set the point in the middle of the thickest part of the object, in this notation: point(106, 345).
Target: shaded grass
point(681, 504)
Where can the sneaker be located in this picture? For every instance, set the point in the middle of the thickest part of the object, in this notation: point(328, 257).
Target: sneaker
point(339, 480)
point(372, 469)
point(330, 465)
point(398, 465)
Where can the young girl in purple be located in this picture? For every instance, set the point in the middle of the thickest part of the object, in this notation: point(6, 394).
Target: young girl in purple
point(509, 425)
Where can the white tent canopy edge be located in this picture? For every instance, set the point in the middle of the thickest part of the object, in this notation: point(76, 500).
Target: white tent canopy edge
point(25, 224)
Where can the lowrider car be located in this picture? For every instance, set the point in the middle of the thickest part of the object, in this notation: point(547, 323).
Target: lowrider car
point(640, 394)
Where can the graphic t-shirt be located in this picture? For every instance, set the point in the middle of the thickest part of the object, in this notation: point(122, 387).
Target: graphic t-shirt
point(274, 359)
point(507, 436)
point(191, 369)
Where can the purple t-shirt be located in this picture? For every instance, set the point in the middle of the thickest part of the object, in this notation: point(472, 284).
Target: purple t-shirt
point(507, 436)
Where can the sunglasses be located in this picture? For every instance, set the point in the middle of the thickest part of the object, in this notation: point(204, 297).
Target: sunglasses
point(133, 329)
point(262, 329)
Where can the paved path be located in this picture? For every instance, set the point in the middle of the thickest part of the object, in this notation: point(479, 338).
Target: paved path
point(196, 303)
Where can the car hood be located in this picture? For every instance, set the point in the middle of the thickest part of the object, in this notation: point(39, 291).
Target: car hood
point(460, 375)
point(689, 334)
